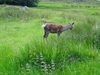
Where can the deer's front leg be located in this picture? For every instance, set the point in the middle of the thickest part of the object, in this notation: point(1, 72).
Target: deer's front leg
point(46, 34)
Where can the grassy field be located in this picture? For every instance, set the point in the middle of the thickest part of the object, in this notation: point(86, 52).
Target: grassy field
point(24, 52)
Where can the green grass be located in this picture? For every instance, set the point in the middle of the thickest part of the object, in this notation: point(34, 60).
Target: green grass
point(23, 50)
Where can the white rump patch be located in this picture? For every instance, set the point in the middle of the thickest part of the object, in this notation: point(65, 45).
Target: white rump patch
point(43, 26)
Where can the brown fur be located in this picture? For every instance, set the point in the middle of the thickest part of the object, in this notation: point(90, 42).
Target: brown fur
point(54, 28)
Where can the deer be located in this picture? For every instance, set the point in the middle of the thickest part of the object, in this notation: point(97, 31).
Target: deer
point(54, 28)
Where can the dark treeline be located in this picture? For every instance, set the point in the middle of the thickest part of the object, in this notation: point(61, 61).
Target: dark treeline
point(20, 2)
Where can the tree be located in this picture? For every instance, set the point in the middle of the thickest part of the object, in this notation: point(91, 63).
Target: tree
point(20, 2)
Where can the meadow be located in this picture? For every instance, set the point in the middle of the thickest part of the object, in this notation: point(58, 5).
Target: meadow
point(23, 51)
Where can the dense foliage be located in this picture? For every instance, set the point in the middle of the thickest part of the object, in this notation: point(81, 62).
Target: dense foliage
point(20, 2)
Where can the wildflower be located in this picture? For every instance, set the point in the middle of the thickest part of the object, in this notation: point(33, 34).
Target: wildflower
point(44, 67)
point(37, 61)
point(28, 68)
point(41, 56)
point(49, 68)
point(52, 65)
point(42, 64)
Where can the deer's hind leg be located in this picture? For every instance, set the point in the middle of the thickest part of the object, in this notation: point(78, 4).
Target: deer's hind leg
point(58, 33)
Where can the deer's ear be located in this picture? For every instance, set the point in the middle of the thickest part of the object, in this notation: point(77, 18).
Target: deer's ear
point(72, 23)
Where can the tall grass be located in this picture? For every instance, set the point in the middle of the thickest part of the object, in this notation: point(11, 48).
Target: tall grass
point(23, 50)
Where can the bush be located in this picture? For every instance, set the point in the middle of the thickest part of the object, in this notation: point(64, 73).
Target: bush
point(20, 2)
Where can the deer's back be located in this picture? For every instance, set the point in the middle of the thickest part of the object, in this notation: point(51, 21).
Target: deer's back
point(53, 28)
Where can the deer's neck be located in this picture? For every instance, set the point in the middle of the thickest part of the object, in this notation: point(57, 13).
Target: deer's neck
point(67, 27)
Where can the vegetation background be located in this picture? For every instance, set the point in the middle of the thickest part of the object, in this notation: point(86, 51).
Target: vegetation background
point(23, 51)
